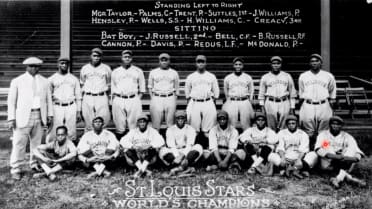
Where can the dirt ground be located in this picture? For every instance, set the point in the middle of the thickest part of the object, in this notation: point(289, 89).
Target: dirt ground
point(204, 190)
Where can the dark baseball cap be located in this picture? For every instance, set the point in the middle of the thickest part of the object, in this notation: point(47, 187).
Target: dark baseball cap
point(127, 52)
point(238, 59)
point(336, 118)
point(222, 114)
point(259, 115)
point(317, 56)
point(180, 113)
point(201, 57)
point(164, 56)
point(290, 117)
point(276, 58)
point(63, 59)
point(99, 118)
point(97, 50)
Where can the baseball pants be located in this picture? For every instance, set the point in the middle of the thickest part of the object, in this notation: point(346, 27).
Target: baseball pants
point(64, 115)
point(33, 132)
point(201, 115)
point(243, 109)
point(168, 155)
point(93, 106)
point(237, 156)
point(276, 112)
point(315, 117)
point(291, 159)
point(52, 155)
point(132, 156)
point(125, 113)
point(162, 107)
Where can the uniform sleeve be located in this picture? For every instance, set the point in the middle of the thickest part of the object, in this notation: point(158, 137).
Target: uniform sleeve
point(83, 145)
point(226, 87)
point(251, 88)
point(304, 143)
point(215, 88)
point(246, 136)
point(301, 87)
point(213, 146)
point(78, 96)
point(142, 82)
point(233, 142)
point(126, 141)
point(176, 83)
point(281, 144)
point(150, 83)
point(191, 136)
point(332, 87)
point(157, 140)
point(113, 142)
point(292, 91)
point(108, 77)
point(352, 149)
point(188, 87)
point(12, 100)
point(262, 91)
point(170, 138)
point(82, 76)
point(49, 99)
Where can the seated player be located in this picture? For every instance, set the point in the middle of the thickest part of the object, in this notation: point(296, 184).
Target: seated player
point(223, 142)
point(98, 148)
point(337, 151)
point(259, 143)
point(141, 146)
point(55, 155)
point(181, 149)
point(292, 148)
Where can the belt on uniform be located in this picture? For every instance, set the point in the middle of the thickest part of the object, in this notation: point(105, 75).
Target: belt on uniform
point(223, 147)
point(201, 100)
point(239, 98)
point(163, 95)
point(125, 96)
point(35, 110)
point(277, 99)
point(309, 101)
point(98, 94)
point(64, 104)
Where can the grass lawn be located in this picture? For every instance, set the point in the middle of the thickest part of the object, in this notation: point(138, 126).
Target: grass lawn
point(204, 190)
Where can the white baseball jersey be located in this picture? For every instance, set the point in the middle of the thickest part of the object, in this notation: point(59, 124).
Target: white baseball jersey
point(65, 88)
point(60, 150)
point(95, 79)
point(201, 86)
point(318, 86)
point(343, 143)
point(238, 86)
point(128, 81)
point(253, 135)
point(137, 139)
point(280, 85)
point(163, 81)
point(179, 138)
point(98, 144)
point(297, 141)
point(223, 139)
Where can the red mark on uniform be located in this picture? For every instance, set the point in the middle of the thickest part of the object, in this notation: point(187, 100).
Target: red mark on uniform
point(325, 144)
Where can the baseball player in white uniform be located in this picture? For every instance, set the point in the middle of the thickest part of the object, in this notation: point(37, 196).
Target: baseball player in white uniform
point(277, 95)
point(66, 95)
point(239, 89)
point(201, 90)
point(336, 150)
point(223, 143)
point(317, 91)
point(181, 150)
point(259, 142)
point(141, 146)
point(98, 148)
point(292, 148)
point(127, 87)
point(163, 87)
point(95, 78)
point(55, 155)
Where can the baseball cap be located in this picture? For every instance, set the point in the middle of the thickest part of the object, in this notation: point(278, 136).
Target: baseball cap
point(238, 59)
point(222, 113)
point(276, 58)
point(316, 56)
point(258, 115)
point(180, 113)
point(63, 59)
point(164, 55)
point(201, 57)
point(32, 61)
point(97, 50)
point(143, 116)
point(336, 118)
point(290, 117)
point(98, 117)
point(127, 52)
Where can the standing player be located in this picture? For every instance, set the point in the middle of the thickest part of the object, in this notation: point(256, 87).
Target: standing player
point(277, 95)
point(29, 109)
point(98, 148)
point(95, 78)
point(259, 143)
point(223, 142)
point(292, 148)
point(338, 151)
point(141, 146)
point(181, 149)
point(163, 88)
point(238, 88)
point(317, 90)
point(56, 155)
point(201, 90)
point(127, 87)
point(66, 95)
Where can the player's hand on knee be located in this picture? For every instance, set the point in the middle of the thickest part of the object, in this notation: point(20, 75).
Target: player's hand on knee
point(11, 124)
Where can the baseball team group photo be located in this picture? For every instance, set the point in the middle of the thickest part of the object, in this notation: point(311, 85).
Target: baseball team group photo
point(203, 119)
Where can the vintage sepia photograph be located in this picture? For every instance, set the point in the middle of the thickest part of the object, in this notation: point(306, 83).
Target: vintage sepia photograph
point(132, 104)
